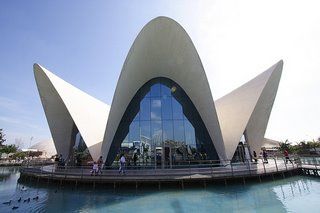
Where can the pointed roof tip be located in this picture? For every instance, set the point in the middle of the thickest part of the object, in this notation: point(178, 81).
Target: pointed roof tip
point(37, 67)
point(280, 63)
point(278, 66)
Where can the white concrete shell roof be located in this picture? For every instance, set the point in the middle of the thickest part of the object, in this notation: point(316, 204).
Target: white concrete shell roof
point(164, 49)
point(46, 146)
point(161, 49)
point(269, 143)
point(65, 107)
point(247, 109)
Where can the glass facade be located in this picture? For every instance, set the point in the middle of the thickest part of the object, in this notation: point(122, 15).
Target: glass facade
point(242, 153)
point(78, 152)
point(161, 127)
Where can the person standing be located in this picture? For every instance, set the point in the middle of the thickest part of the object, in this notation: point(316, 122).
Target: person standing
point(94, 170)
point(286, 155)
point(100, 165)
point(255, 157)
point(265, 156)
point(122, 164)
point(135, 158)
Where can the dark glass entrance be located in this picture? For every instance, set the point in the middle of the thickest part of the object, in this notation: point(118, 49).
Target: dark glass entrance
point(162, 128)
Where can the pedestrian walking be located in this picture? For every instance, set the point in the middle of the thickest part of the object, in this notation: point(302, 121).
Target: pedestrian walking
point(286, 155)
point(100, 165)
point(135, 158)
point(265, 156)
point(255, 157)
point(122, 164)
point(94, 170)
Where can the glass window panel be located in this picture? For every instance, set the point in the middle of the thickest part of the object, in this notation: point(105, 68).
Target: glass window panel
point(155, 90)
point(165, 90)
point(156, 132)
point(134, 131)
point(145, 109)
point(155, 109)
point(176, 109)
point(137, 117)
point(178, 128)
point(145, 131)
point(147, 93)
point(167, 126)
point(126, 140)
point(189, 133)
point(166, 107)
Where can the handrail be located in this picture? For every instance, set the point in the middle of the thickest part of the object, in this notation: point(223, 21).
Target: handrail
point(204, 167)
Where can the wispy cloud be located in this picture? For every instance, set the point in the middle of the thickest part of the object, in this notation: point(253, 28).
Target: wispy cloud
point(11, 105)
point(18, 121)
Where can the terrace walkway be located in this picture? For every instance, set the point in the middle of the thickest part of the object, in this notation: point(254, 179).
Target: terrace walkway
point(191, 173)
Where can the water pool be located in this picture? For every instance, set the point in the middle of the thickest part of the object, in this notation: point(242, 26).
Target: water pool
point(294, 194)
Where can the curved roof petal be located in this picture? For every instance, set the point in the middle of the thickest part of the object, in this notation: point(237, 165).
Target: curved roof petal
point(164, 49)
point(66, 105)
point(248, 108)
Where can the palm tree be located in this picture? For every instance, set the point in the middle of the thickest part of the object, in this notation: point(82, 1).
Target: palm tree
point(285, 146)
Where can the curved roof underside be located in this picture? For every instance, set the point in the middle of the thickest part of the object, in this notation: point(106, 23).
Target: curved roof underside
point(66, 106)
point(248, 108)
point(164, 49)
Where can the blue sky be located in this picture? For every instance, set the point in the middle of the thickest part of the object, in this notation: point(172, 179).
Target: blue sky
point(86, 42)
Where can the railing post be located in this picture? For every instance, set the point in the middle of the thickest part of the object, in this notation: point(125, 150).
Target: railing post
point(212, 162)
point(81, 171)
point(264, 167)
point(65, 171)
point(285, 163)
point(41, 167)
point(292, 164)
point(231, 168)
point(315, 162)
point(275, 161)
point(249, 166)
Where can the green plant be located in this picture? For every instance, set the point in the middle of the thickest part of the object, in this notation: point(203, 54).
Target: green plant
point(2, 139)
point(285, 146)
point(20, 155)
point(8, 149)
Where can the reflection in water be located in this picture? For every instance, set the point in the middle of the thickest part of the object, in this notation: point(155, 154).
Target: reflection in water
point(284, 195)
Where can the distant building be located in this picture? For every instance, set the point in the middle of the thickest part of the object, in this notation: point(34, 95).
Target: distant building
point(46, 147)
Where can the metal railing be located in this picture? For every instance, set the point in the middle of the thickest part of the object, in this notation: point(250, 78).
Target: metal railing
point(192, 169)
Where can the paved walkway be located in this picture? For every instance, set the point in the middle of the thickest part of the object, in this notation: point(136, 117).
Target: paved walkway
point(191, 173)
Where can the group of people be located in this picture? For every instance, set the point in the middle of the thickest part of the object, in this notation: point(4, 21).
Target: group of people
point(97, 166)
point(265, 156)
point(59, 161)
